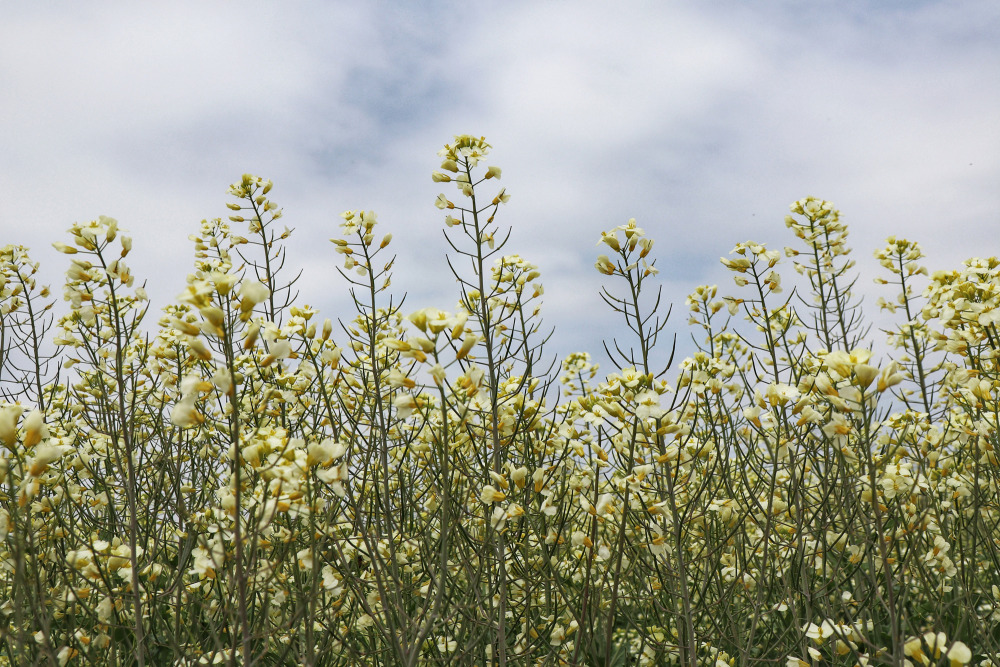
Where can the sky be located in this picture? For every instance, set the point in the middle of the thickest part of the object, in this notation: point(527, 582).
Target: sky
point(702, 120)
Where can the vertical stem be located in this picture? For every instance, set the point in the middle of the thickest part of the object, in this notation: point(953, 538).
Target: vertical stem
point(234, 438)
point(125, 432)
point(500, 547)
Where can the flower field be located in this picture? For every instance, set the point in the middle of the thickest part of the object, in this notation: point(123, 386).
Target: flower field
point(241, 481)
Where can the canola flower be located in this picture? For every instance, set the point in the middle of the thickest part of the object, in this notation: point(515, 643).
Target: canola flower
point(250, 483)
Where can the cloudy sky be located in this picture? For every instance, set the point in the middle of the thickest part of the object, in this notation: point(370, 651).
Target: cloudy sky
point(703, 120)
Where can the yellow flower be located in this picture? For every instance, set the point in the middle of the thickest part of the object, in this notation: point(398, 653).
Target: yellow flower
point(324, 452)
point(890, 376)
point(199, 349)
point(65, 654)
point(419, 318)
point(468, 343)
point(740, 264)
point(405, 405)
point(490, 495)
point(959, 654)
point(65, 249)
point(518, 476)
point(864, 375)
point(610, 240)
point(254, 291)
point(780, 394)
point(397, 378)
point(8, 424)
point(185, 414)
point(34, 428)
point(605, 505)
point(604, 265)
point(44, 455)
point(439, 374)
point(842, 362)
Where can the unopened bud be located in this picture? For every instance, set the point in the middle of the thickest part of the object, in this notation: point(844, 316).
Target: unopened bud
point(251, 336)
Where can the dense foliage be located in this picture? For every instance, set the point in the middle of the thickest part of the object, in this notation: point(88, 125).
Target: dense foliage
point(249, 484)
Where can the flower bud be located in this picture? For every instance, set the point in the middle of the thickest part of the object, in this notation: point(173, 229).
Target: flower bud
point(467, 344)
point(251, 336)
point(184, 327)
point(864, 375)
point(112, 228)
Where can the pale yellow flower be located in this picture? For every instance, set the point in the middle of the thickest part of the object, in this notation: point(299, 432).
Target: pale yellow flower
point(34, 429)
point(959, 654)
point(45, 455)
point(254, 291)
point(9, 416)
point(489, 494)
point(405, 405)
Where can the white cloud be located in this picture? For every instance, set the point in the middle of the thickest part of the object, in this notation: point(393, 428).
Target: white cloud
point(704, 123)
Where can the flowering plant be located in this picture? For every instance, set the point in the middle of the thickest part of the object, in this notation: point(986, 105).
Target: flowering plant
point(249, 484)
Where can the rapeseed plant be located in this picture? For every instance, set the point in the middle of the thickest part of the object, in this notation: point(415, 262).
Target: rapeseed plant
point(249, 484)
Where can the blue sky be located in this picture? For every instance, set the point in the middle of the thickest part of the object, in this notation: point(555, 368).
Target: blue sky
point(702, 120)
